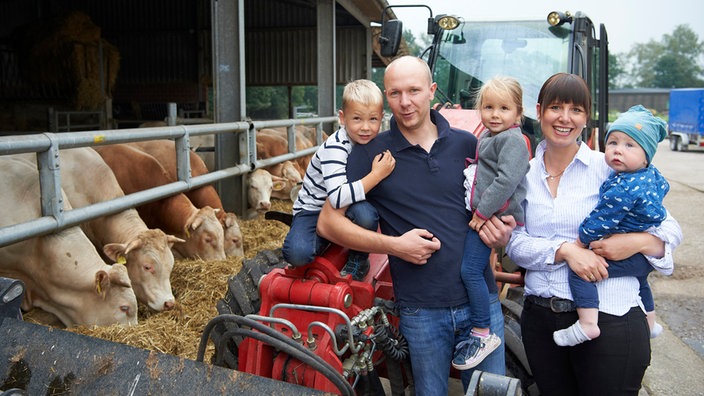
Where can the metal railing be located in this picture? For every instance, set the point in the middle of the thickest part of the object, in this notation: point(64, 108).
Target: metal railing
point(47, 147)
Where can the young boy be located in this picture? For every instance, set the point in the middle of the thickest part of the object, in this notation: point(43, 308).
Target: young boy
point(630, 201)
point(360, 119)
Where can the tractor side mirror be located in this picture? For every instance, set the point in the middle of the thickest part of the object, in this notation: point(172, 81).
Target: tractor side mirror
point(390, 39)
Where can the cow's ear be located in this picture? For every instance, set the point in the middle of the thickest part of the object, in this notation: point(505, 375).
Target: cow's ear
point(134, 244)
point(230, 220)
point(170, 239)
point(278, 185)
point(102, 282)
point(114, 251)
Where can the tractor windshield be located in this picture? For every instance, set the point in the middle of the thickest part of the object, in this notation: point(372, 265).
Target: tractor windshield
point(530, 51)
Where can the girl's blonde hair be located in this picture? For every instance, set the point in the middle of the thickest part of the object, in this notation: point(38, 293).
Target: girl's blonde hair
point(507, 88)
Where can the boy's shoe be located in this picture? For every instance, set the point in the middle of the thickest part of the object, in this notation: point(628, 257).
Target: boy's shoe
point(356, 267)
point(471, 352)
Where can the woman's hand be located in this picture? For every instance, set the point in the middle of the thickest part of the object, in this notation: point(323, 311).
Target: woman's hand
point(622, 246)
point(585, 263)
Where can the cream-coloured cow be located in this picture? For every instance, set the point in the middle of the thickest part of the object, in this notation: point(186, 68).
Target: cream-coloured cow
point(62, 272)
point(261, 184)
point(123, 236)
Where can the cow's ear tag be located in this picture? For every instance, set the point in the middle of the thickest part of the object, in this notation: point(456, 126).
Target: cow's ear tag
point(121, 259)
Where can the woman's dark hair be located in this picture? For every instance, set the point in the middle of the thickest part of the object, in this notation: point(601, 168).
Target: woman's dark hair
point(565, 88)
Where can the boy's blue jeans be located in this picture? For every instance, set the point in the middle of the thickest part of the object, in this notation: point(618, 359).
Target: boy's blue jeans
point(303, 243)
point(432, 334)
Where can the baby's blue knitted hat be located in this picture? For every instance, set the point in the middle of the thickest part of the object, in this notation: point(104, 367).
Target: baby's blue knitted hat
point(641, 125)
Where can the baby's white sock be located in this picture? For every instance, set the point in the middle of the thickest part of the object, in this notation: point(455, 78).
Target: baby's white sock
point(656, 330)
point(570, 336)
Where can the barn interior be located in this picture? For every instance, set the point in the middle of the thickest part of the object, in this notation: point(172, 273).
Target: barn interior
point(71, 65)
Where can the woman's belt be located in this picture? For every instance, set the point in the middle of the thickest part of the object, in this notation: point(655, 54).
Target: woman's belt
point(554, 304)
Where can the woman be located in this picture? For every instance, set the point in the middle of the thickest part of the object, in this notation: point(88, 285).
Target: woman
point(562, 188)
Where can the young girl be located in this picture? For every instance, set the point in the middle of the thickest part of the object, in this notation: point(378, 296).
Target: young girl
point(493, 182)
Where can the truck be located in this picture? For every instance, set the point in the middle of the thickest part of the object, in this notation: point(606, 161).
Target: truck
point(686, 118)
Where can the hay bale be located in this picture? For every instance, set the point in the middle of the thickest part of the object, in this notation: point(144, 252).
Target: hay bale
point(65, 52)
point(197, 286)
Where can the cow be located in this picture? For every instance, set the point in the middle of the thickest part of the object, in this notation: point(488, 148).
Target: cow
point(123, 237)
point(136, 171)
point(288, 171)
point(303, 130)
point(273, 149)
point(261, 184)
point(272, 145)
point(62, 271)
point(165, 152)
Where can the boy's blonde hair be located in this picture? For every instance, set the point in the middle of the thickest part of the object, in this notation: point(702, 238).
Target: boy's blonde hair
point(362, 91)
point(507, 88)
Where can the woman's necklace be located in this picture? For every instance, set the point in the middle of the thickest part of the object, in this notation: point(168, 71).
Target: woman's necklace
point(553, 177)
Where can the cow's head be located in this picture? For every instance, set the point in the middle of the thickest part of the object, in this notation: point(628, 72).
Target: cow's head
point(233, 235)
point(113, 300)
point(149, 263)
point(205, 236)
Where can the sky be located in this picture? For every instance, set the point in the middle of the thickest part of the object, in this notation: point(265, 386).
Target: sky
point(627, 22)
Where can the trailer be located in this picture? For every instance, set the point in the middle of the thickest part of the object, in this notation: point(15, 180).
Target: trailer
point(686, 125)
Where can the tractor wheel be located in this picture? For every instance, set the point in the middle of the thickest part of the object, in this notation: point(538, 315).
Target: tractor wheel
point(242, 298)
point(516, 360)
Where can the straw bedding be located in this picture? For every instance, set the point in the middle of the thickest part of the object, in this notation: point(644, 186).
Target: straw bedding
point(197, 286)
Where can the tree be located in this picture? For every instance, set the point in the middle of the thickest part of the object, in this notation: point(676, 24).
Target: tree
point(616, 72)
point(673, 62)
point(413, 47)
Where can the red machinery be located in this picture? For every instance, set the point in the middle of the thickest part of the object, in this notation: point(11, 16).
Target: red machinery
point(312, 327)
point(337, 323)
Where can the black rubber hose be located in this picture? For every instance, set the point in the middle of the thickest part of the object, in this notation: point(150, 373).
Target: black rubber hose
point(391, 342)
point(298, 351)
point(324, 369)
point(327, 370)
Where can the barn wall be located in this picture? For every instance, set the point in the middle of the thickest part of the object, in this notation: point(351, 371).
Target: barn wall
point(290, 56)
point(624, 99)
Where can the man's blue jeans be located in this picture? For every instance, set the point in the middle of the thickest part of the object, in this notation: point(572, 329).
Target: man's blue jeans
point(432, 334)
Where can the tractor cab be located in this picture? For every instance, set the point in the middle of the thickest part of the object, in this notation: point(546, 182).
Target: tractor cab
point(465, 54)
